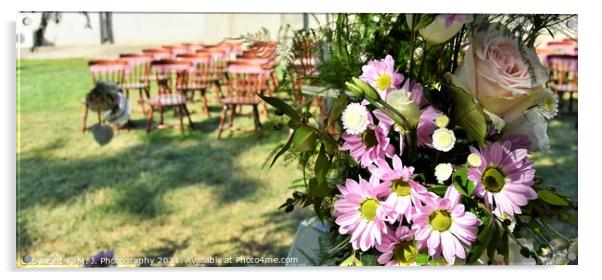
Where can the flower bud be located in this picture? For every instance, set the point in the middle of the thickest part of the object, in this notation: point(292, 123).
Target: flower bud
point(354, 90)
point(369, 92)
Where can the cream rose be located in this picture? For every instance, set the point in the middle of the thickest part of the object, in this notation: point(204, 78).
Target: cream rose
point(494, 72)
point(443, 27)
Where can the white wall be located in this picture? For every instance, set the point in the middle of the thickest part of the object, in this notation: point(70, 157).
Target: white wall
point(165, 28)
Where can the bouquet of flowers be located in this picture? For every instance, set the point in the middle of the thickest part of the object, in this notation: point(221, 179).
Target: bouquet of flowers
point(413, 168)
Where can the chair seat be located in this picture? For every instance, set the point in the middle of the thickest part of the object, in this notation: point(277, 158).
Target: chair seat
point(235, 100)
point(194, 86)
point(134, 85)
point(564, 88)
point(174, 99)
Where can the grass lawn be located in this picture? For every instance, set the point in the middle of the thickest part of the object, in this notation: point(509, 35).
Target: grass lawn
point(162, 194)
point(165, 194)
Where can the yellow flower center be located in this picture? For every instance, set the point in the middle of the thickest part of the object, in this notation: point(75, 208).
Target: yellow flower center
point(369, 138)
point(474, 160)
point(442, 121)
point(444, 139)
point(368, 209)
point(405, 253)
point(383, 81)
point(400, 187)
point(493, 179)
point(440, 220)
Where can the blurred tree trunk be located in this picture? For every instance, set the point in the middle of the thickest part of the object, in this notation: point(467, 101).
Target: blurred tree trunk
point(106, 28)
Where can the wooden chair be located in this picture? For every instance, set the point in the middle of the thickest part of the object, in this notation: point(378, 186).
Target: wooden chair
point(136, 76)
point(193, 47)
point(217, 68)
point(159, 53)
point(244, 82)
point(200, 79)
point(103, 70)
point(172, 75)
point(264, 55)
point(563, 78)
point(177, 49)
point(156, 55)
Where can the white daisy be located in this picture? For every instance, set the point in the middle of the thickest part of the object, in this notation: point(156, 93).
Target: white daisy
point(444, 139)
point(443, 171)
point(355, 118)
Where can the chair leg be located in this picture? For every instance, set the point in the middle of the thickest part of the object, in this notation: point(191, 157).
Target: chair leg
point(256, 118)
point(149, 119)
point(181, 116)
point(233, 115)
point(188, 116)
point(204, 99)
point(162, 111)
point(84, 125)
point(141, 101)
point(222, 120)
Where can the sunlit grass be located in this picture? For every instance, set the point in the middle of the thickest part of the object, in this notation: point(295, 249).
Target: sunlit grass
point(162, 194)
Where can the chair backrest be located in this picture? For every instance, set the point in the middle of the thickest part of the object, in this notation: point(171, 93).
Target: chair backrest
point(177, 49)
point(202, 64)
point(563, 70)
point(158, 54)
point(138, 67)
point(172, 75)
point(112, 70)
point(193, 47)
point(218, 65)
point(245, 78)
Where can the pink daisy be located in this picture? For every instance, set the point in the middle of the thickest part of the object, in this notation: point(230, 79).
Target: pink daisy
point(401, 192)
point(504, 178)
point(426, 126)
point(399, 248)
point(359, 212)
point(443, 226)
point(370, 145)
point(381, 75)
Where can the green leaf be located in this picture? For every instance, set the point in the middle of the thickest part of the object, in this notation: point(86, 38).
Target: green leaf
point(283, 150)
point(330, 144)
point(318, 189)
point(462, 183)
point(503, 246)
point(423, 258)
point(467, 112)
point(337, 109)
point(369, 260)
point(492, 245)
point(552, 198)
point(322, 165)
point(439, 189)
point(567, 217)
point(282, 106)
point(483, 238)
point(351, 261)
point(304, 139)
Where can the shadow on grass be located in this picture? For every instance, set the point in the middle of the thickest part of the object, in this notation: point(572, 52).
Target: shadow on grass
point(257, 239)
point(141, 174)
